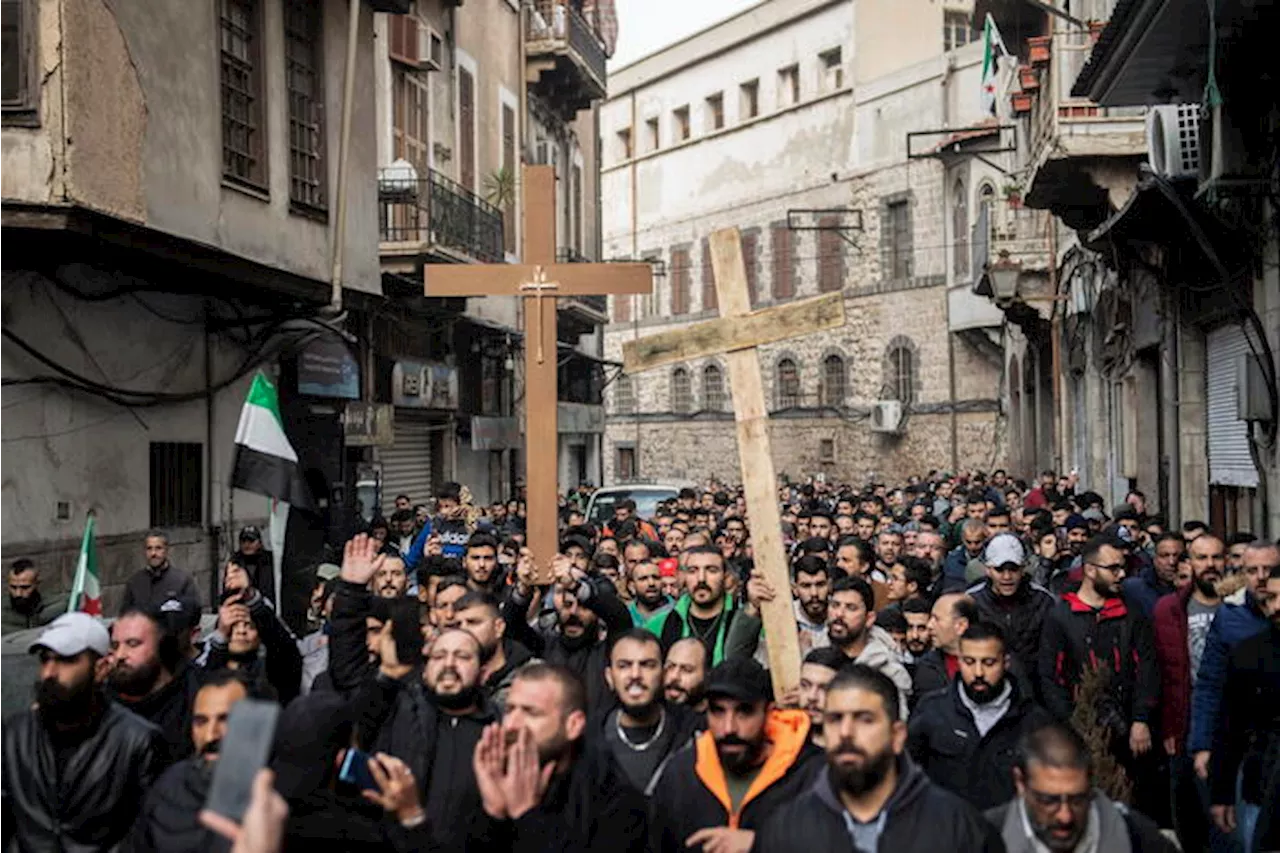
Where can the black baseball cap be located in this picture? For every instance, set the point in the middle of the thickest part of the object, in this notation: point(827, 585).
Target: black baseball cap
point(249, 533)
point(742, 679)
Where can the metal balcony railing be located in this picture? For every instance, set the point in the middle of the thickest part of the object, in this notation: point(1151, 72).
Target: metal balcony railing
point(557, 24)
point(437, 211)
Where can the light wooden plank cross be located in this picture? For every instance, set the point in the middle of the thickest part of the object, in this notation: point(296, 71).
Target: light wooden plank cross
point(538, 277)
point(736, 335)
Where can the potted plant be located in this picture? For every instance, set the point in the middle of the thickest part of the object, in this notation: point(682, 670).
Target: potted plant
point(1012, 194)
point(1021, 102)
point(1028, 78)
point(1038, 49)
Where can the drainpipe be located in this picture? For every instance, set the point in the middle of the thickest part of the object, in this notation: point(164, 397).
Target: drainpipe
point(344, 159)
point(1169, 406)
point(635, 254)
point(945, 87)
point(211, 530)
point(1059, 444)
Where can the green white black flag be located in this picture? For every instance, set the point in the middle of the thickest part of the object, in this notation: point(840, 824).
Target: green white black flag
point(266, 462)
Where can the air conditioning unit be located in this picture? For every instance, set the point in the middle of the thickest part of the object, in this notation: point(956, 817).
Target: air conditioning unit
point(430, 49)
point(886, 416)
point(1173, 140)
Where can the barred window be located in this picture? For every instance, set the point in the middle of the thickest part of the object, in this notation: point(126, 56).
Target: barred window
point(713, 388)
point(624, 396)
point(788, 384)
point(304, 83)
point(900, 370)
point(177, 494)
point(681, 392)
point(243, 133)
point(833, 381)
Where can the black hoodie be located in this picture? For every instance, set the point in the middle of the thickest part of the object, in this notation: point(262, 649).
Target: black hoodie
point(919, 817)
point(590, 809)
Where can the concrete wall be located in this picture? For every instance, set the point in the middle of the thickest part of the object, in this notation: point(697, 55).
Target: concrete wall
point(131, 126)
point(894, 35)
point(63, 446)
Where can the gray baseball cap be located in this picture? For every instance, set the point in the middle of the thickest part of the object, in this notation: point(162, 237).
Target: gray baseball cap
point(1002, 549)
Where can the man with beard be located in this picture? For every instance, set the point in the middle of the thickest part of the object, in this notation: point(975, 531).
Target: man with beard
point(643, 729)
point(706, 611)
point(27, 606)
point(582, 603)
point(501, 657)
point(648, 601)
point(168, 822)
point(74, 768)
point(684, 675)
point(917, 642)
point(391, 580)
point(1093, 628)
point(811, 586)
point(851, 628)
point(150, 677)
point(1057, 810)
point(965, 738)
point(480, 561)
point(250, 636)
point(1011, 600)
point(546, 784)
point(752, 759)
point(870, 795)
point(1182, 621)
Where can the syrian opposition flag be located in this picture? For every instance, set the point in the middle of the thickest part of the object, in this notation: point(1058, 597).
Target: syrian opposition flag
point(86, 590)
point(266, 462)
point(991, 42)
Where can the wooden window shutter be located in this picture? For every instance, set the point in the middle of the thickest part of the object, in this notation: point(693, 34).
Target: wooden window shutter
point(750, 243)
point(783, 282)
point(830, 255)
point(680, 276)
point(402, 38)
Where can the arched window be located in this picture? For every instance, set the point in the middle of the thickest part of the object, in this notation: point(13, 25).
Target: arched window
point(713, 388)
point(900, 370)
point(833, 381)
point(624, 396)
point(788, 384)
point(960, 230)
point(681, 392)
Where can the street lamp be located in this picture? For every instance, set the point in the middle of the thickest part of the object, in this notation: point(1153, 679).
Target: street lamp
point(1004, 275)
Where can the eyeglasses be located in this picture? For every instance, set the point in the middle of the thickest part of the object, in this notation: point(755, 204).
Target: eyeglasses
point(1110, 567)
point(1075, 802)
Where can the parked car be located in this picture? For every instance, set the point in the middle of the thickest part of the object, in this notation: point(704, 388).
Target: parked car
point(647, 497)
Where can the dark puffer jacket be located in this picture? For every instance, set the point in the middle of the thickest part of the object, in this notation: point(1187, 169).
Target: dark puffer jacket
point(919, 817)
point(91, 803)
point(169, 709)
point(1022, 617)
point(946, 744)
point(170, 818)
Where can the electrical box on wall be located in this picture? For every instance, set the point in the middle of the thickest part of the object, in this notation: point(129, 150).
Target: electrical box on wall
point(1253, 403)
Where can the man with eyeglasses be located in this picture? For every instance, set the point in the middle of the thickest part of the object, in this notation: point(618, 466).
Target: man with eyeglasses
point(1057, 809)
point(1239, 618)
point(1094, 629)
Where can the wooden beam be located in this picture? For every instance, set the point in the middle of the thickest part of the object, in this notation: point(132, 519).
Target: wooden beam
point(755, 457)
point(505, 279)
point(730, 333)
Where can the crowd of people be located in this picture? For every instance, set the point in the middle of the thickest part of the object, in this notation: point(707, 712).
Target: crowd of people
point(986, 665)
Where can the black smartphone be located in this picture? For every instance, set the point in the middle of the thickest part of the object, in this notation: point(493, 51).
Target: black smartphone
point(355, 771)
point(406, 630)
point(251, 729)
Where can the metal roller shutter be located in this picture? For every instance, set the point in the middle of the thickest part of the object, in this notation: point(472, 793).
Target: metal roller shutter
point(1230, 463)
point(406, 465)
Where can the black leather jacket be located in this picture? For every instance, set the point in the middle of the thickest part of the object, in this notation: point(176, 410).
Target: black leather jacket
point(89, 804)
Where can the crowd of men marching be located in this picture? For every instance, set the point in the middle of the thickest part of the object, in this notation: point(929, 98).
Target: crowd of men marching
point(986, 666)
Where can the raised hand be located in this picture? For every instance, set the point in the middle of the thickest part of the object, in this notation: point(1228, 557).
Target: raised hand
point(397, 789)
point(524, 780)
point(360, 559)
point(487, 764)
point(525, 572)
point(230, 614)
point(759, 590)
point(234, 577)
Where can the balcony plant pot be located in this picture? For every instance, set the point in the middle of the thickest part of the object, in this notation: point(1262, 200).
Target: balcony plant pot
point(1021, 102)
point(1038, 49)
point(1028, 78)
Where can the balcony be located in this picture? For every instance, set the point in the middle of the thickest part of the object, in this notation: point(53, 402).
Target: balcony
point(433, 216)
point(1011, 262)
point(564, 57)
point(587, 310)
point(1081, 158)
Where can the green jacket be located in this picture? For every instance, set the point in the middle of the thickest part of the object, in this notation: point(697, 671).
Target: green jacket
point(674, 625)
point(49, 609)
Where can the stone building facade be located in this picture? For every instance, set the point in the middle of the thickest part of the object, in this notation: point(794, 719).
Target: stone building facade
point(809, 162)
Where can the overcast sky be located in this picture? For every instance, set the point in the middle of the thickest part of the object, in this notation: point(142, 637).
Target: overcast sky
point(648, 25)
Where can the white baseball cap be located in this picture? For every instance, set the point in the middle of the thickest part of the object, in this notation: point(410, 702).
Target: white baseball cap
point(1004, 548)
point(73, 633)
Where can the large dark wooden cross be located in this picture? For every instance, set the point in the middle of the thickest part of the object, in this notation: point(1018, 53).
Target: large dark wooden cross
point(539, 280)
